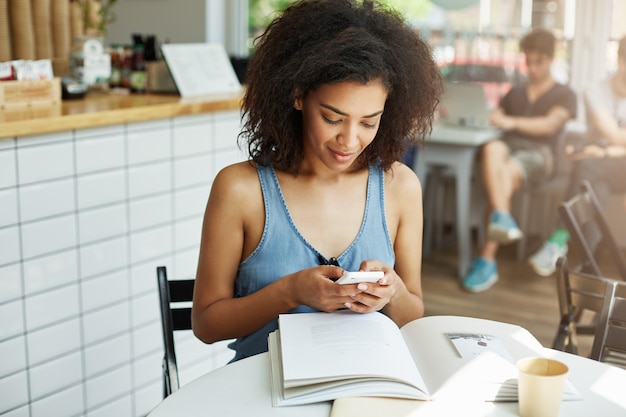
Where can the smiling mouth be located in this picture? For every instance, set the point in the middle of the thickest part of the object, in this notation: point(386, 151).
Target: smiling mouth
point(340, 154)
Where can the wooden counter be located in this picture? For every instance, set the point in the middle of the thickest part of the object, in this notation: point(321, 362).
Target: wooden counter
point(101, 109)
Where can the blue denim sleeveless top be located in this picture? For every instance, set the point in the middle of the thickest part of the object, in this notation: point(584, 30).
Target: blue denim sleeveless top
point(283, 250)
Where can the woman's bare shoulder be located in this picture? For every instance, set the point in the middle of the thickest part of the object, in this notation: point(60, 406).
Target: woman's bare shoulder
point(401, 179)
point(236, 180)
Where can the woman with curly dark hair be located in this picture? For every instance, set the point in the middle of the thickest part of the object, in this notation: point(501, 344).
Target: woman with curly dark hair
point(335, 88)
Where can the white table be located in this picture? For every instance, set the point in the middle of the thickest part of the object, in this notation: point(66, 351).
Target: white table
point(242, 389)
point(454, 148)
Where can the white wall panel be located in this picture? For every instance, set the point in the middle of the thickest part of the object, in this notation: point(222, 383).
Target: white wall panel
point(105, 388)
point(8, 207)
point(52, 306)
point(9, 245)
point(66, 403)
point(102, 223)
point(8, 177)
point(11, 317)
point(60, 235)
point(13, 390)
point(149, 179)
point(54, 341)
point(100, 209)
point(11, 283)
point(103, 257)
point(105, 323)
point(45, 162)
point(51, 271)
point(56, 375)
point(101, 188)
point(14, 353)
point(46, 199)
point(104, 290)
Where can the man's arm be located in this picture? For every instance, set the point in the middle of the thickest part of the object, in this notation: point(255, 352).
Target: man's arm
point(538, 126)
point(606, 124)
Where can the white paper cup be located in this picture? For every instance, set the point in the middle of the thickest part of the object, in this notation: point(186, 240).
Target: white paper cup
point(540, 386)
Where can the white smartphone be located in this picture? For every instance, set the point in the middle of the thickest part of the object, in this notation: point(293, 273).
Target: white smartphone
point(360, 276)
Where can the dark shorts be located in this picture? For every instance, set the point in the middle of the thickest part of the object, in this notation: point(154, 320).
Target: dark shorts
point(535, 160)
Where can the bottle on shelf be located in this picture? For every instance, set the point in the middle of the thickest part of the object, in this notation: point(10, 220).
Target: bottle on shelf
point(138, 80)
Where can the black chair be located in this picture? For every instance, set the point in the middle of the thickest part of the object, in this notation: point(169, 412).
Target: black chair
point(609, 343)
point(173, 317)
point(581, 297)
point(582, 216)
point(545, 197)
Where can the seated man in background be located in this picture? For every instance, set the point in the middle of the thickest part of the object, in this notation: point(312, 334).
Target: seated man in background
point(602, 162)
point(531, 115)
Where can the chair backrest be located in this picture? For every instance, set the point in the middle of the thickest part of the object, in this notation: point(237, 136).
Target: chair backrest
point(609, 343)
point(578, 293)
point(583, 213)
point(174, 316)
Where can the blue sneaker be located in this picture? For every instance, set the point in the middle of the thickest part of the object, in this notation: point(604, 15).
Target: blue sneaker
point(482, 276)
point(502, 228)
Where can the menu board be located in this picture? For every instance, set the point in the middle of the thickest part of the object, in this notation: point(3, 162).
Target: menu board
point(200, 69)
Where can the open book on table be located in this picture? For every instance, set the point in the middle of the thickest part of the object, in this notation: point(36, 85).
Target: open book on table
point(324, 356)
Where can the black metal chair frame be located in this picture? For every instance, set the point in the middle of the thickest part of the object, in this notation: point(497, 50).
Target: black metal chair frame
point(609, 344)
point(578, 292)
point(173, 318)
point(584, 209)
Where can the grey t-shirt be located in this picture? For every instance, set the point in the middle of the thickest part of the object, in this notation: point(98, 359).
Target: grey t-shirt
point(601, 97)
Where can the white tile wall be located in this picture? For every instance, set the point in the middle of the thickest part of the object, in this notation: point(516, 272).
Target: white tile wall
point(45, 162)
point(60, 233)
point(55, 375)
point(188, 233)
point(107, 387)
point(103, 257)
point(46, 199)
point(11, 283)
point(51, 306)
point(11, 317)
point(8, 206)
point(13, 352)
point(99, 209)
point(148, 339)
point(148, 369)
point(13, 390)
point(105, 290)
point(101, 223)
point(18, 412)
point(8, 176)
point(105, 323)
point(118, 408)
point(100, 153)
point(151, 244)
point(143, 309)
point(145, 398)
point(143, 276)
point(9, 245)
point(193, 138)
point(149, 179)
point(107, 354)
point(227, 128)
point(191, 201)
point(193, 171)
point(54, 341)
point(186, 263)
point(150, 211)
point(101, 188)
point(149, 145)
point(67, 403)
point(50, 271)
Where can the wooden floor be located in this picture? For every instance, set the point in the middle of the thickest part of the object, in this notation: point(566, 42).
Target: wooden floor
point(520, 296)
